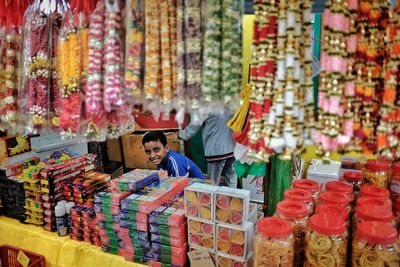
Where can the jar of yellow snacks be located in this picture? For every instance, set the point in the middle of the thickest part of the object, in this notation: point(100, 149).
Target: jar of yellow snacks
point(354, 178)
point(375, 192)
point(377, 213)
point(301, 196)
point(395, 187)
point(335, 198)
point(326, 241)
point(341, 187)
point(273, 243)
point(334, 209)
point(308, 185)
point(297, 214)
point(376, 172)
point(375, 244)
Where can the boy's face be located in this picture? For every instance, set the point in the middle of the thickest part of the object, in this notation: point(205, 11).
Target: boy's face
point(156, 151)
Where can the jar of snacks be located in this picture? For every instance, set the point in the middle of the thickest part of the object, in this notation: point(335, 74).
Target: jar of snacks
point(335, 198)
point(376, 172)
point(373, 213)
point(375, 192)
point(354, 178)
point(370, 201)
point(326, 241)
point(297, 214)
point(308, 185)
point(395, 185)
point(375, 244)
point(334, 209)
point(341, 187)
point(273, 243)
point(302, 196)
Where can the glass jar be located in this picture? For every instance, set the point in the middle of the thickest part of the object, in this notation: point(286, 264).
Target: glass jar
point(335, 198)
point(376, 172)
point(297, 214)
point(375, 192)
point(341, 187)
point(395, 185)
point(302, 196)
point(334, 209)
point(373, 213)
point(326, 241)
point(308, 185)
point(273, 243)
point(354, 178)
point(375, 244)
point(370, 201)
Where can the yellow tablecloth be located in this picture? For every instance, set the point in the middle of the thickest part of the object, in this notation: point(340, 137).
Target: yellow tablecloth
point(58, 251)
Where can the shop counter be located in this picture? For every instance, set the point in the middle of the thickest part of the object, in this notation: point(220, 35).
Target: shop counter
point(58, 251)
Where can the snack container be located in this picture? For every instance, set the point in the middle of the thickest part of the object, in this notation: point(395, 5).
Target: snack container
point(201, 233)
point(375, 192)
point(377, 240)
point(335, 198)
point(354, 178)
point(334, 209)
point(235, 242)
point(376, 172)
point(373, 213)
point(300, 195)
point(341, 187)
point(225, 261)
point(231, 206)
point(308, 185)
point(199, 201)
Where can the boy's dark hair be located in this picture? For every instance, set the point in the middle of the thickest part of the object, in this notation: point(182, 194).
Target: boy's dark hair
point(155, 136)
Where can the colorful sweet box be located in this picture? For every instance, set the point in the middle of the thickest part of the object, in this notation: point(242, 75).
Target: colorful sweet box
point(224, 261)
point(199, 201)
point(201, 233)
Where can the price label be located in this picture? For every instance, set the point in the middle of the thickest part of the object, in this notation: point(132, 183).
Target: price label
point(23, 259)
point(200, 258)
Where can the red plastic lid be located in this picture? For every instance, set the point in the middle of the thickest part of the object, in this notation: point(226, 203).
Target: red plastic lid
point(327, 224)
point(371, 201)
point(374, 191)
point(292, 209)
point(339, 186)
point(374, 213)
point(352, 176)
point(332, 209)
point(377, 165)
point(396, 168)
point(332, 197)
point(275, 227)
point(384, 160)
point(308, 185)
point(298, 195)
point(378, 233)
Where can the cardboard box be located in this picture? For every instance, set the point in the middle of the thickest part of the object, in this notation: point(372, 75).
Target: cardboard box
point(114, 150)
point(14, 145)
point(134, 154)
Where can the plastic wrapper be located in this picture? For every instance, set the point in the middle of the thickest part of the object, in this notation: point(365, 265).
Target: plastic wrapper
point(231, 206)
point(167, 240)
point(171, 217)
point(199, 201)
point(168, 254)
point(201, 234)
point(233, 242)
point(134, 180)
point(172, 232)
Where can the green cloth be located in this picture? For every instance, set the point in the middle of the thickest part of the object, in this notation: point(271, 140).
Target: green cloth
point(196, 152)
point(243, 170)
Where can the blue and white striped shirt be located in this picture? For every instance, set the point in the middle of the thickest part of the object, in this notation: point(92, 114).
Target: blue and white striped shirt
point(180, 166)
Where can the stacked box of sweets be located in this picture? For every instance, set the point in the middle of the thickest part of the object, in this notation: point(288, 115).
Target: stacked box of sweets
point(52, 179)
point(134, 180)
point(83, 188)
point(84, 225)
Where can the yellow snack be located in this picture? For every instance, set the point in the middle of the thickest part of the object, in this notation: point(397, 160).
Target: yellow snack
point(191, 197)
point(207, 242)
point(222, 215)
point(237, 237)
point(223, 246)
point(236, 204)
point(195, 226)
point(205, 213)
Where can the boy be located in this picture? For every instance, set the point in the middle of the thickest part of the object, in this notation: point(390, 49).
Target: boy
point(157, 149)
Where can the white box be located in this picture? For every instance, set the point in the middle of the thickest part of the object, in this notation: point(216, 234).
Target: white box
point(255, 184)
point(234, 262)
point(199, 201)
point(322, 172)
point(234, 242)
point(231, 206)
point(201, 233)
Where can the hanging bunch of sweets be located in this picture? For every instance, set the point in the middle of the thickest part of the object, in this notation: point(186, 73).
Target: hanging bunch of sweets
point(333, 128)
point(388, 131)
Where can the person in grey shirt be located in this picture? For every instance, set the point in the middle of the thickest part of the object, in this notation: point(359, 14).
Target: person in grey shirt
point(218, 146)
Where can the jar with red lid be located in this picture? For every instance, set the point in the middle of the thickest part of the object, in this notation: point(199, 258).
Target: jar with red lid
point(341, 187)
point(335, 198)
point(297, 214)
point(308, 185)
point(373, 213)
point(326, 241)
point(302, 196)
point(370, 201)
point(375, 244)
point(396, 214)
point(273, 243)
point(375, 192)
point(333, 209)
point(376, 172)
point(354, 178)
point(395, 185)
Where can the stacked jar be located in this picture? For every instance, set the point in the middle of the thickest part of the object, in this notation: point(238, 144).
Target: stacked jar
point(375, 244)
point(273, 243)
point(307, 185)
point(373, 213)
point(335, 198)
point(371, 201)
point(376, 192)
point(334, 209)
point(355, 179)
point(297, 214)
point(341, 187)
point(395, 190)
point(301, 196)
point(326, 241)
point(376, 172)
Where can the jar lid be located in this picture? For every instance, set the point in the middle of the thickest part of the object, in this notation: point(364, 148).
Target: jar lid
point(327, 224)
point(374, 191)
point(352, 176)
point(332, 197)
point(292, 209)
point(374, 213)
point(396, 168)
point(384, 160)
point(332, 209)
point(308, 185)
point(377, 165)
point(371, 201)
point(339, 186)
point(274, 227)
point(377, 233)
point(298, 195)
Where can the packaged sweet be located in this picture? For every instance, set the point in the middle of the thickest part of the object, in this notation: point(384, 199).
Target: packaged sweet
point(232, 206)
point(233, 241)
point(199, 201)
point(201, 233)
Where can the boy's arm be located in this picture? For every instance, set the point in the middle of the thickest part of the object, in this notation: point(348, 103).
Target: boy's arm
point(189, 131)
